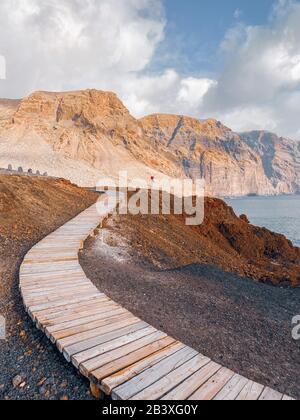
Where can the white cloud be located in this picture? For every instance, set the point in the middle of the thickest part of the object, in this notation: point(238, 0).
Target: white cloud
point(110, 44)
point(166, 92)
point(192, 90)
point(237, 13)
point(250, 118)
point(104, 44)
point(69, 44)
point(259, 87)
point(2, 68)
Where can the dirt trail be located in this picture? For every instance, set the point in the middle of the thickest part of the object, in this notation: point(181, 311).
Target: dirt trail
point(30, 208)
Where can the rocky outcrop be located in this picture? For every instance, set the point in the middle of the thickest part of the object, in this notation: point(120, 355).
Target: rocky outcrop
point(87, 134)
point(280, 158)
point(223, 240)
point(210, 150)
point(7, 109)
point(81, 136)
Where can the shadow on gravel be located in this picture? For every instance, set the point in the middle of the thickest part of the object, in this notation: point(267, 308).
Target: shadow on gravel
point(243, 325)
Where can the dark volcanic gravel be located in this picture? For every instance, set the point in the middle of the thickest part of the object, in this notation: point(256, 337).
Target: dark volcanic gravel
point(31, 367)
point(29, 354)
point(244, 325)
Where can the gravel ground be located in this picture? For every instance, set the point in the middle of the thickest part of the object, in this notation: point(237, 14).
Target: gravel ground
point(244, 325)
point(27, 353)
point(31, 368)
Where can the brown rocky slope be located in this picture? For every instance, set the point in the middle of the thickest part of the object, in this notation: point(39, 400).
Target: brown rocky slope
point(30, 208)
point(280, 157)
point(207, 149)
point(224, 241)
point(83, 135)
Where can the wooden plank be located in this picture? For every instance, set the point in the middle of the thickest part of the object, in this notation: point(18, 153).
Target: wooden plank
point(42, 251)
point(80, 358)
point(61, 286)
point(74, 272)
point(57, 300)
point(51, 305)
point(41, 278)
point(153, 374)
point(67, 240)
point(61, 310)
point(113, 325)
point(287, 398)
point(74, 310)
point(33, 301)
point(27, 267)
point(98, 340)
point(51, 257)
point(54, 268)
point(51, 283)
point(40, 296)
point(232, 389)
point(174, 378)
point(192, 384)
point(87, 368)
point(44, 267)
point(251, 392)
point(120, 377)
point(81, 321)
point(36, 294)
point(94, 310)
point(107, 318)
point(49, 268)
point(208, 390)
point(270, 395)
point(51, 253)
point(160, 342)
point(54, 246)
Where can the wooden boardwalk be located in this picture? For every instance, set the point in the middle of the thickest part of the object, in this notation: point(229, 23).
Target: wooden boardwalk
point(120, 354)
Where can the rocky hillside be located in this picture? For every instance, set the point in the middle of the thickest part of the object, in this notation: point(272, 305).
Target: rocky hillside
point(209, 149)
point(84, 135)
point(80, 136)
point(280, 158)
point(7, 109)
point(224, 241)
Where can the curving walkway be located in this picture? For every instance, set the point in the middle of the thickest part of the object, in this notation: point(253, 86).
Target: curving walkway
point(120, 354)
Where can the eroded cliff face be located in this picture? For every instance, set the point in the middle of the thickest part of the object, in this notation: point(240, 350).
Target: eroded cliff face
point(87, 134)
point(7, 109)
point(209, 149)
point(81, 136)
point(77, 124)
point(280, 158)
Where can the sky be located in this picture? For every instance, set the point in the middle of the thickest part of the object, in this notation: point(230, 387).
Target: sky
point(234, 60)
point(199, 28)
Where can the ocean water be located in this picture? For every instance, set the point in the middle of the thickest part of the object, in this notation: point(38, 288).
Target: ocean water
point(279, 214)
